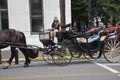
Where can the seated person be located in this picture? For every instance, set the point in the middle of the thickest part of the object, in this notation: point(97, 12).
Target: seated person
point(118, 31)
point(95, 32)
point(110, 28)
point(91, 30)
point(56, 27)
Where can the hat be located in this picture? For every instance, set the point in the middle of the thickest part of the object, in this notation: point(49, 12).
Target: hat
point(55, 18)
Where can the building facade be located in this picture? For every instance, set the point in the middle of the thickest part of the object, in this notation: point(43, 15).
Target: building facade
point(32, 16)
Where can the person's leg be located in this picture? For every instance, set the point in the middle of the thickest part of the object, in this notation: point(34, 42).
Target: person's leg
point(55, 40)
point(52, 35)
point(55, 31)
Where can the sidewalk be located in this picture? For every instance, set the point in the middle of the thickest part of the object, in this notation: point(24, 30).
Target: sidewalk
point(7, 53)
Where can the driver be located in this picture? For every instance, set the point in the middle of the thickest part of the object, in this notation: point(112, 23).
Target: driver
point(56, 27)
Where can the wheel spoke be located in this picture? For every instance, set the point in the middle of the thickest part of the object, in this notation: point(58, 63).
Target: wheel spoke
point(112, 50)
point(62, 56)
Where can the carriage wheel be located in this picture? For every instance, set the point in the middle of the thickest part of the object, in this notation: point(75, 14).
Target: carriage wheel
point(86, 55)
point(62, 56)
point(95, 55)
point(92, 56)
point(47, 57)
point(76, 54)
point(112, 50)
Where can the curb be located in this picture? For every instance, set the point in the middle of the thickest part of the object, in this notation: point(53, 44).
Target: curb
point(23, 59)
point(38, 59)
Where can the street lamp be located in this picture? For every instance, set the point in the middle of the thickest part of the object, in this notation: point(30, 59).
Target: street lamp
point(62, 11)
point(89, 13)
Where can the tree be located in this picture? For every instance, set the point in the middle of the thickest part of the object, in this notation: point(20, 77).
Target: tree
point(102, 8)
point(62, 11)
point(79, 12)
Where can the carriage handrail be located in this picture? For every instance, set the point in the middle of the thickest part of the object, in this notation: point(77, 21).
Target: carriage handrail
point(116, 33)
point(77, 34)
point(109, 34)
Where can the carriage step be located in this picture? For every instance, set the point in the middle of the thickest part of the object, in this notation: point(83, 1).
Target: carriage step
point(94, 50)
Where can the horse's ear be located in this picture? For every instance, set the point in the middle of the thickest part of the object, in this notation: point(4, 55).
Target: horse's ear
point(32, 53)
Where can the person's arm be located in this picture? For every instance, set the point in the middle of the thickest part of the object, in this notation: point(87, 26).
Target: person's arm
point(53, 26)
point(59, 28)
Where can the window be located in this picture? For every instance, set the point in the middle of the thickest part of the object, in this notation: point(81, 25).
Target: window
point(3, 15)
point(36, 16)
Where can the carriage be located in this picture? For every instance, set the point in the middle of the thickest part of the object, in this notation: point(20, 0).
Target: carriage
point(74, 45)
point(71, 45)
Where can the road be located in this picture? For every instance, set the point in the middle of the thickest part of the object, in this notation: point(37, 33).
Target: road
point(77, 70)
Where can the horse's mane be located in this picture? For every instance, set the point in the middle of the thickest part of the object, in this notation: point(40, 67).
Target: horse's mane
point(8, 31)
point(14, 35)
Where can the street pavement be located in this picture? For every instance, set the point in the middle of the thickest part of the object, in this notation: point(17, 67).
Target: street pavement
point(78, 70)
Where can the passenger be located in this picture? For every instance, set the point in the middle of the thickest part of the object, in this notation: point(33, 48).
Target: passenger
point(82, 30)
point(101, 26)
point(56, 27)
point(118, 31)
point(110, 28)
point(91, 30)
point(95, 29)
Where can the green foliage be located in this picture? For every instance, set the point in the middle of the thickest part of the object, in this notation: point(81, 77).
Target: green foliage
point(107, 8)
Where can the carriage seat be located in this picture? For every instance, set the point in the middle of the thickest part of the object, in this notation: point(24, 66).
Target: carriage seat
point(45, 38)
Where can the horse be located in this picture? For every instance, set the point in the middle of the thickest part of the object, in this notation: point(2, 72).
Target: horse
point(13, 36)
